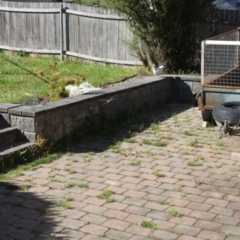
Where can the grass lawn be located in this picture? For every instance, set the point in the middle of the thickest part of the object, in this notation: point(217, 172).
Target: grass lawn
point(101, 3)
point(19, 76)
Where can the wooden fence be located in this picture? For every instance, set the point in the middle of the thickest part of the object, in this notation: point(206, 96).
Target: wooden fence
point(74, 30)
point(87, 32)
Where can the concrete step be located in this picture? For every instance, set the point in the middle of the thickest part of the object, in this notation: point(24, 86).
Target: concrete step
point(8, 135)
point(13, 148)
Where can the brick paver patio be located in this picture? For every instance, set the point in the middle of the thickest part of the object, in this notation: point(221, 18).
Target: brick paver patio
point(172, 175)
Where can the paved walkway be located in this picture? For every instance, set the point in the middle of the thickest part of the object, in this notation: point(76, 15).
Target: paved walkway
point(172, 180)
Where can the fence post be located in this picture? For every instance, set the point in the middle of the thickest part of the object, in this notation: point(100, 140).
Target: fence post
point(61, 31)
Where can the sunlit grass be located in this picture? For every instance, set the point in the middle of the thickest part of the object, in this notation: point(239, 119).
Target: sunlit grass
point(19, 76)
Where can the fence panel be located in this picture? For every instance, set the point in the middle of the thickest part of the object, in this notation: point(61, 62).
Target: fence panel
point(89, 32)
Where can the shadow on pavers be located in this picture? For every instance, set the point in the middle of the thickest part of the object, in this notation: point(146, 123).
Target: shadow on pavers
point(25, 214)
point(118, 131)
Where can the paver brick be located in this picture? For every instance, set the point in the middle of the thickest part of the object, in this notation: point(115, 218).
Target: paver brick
point(120, 215)
point(183, 220)
point(209, 225)
point(186, 237)
point(222, 211)
point(116, 206)
point(116, 224)
point(206, 234)
point(216, 202)
point(199, 206)
point(23, 234)
point(137, 210)
point(226, 220)
point(187, 230)
point(163, 235)
point(135, 194)
point(117, 235)
point(6, 229)
point(94, 229)
point(137, 230)
point(137, 219)
point(134, 201)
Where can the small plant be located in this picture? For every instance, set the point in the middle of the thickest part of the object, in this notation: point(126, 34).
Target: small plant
point(198, 182)
point(70, 171)
point(70, 184)
point(220, 144)
point(154, 127)
point(36, 231)
point(63, 205)
point(175, 213)
point(193, 143)
point(158, 174)
point(68, 198)
point(130, 140)
point(177, 189)
point(147, 142)
point(187, 133)
point(160, 144)
point(68, 154)
point(198, 157)
point(163, 202)
point(135, 163)
point(106, 195)
point(91, 153)
point(86, 160)
point(194, 164)
point(43, 210)
point(22, 54)
point(83, 185)
point(146, 224)
point(109, 200)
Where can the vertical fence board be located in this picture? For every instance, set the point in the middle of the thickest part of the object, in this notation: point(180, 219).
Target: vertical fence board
point(93, 36)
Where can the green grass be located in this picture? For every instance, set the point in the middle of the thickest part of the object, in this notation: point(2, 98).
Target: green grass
point(175, 213)
point(158, 174)
point(135, 163)
point(100, 3)
point(163, 202)
point(105, 194)
point(194, 164)
point(83, 185)
point(146, 224)
point(19, 76)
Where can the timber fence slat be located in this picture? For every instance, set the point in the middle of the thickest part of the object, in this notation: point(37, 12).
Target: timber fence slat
point(88, 32)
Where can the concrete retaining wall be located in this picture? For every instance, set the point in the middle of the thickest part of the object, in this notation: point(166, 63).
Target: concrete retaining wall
point(58, 118)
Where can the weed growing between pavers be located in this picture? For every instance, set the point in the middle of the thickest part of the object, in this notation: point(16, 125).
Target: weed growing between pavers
point(63, 204)
point(135, 163)
point(106, 195)
point(68, 198)
point(70, 171)
point(159, 175)
point(83, 185)
point(163, 202)
point(70, 184)
point(175, 213)
point(146, 224)
point(194, 164)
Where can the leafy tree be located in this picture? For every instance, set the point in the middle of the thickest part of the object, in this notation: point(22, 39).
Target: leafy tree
point(164, 30)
